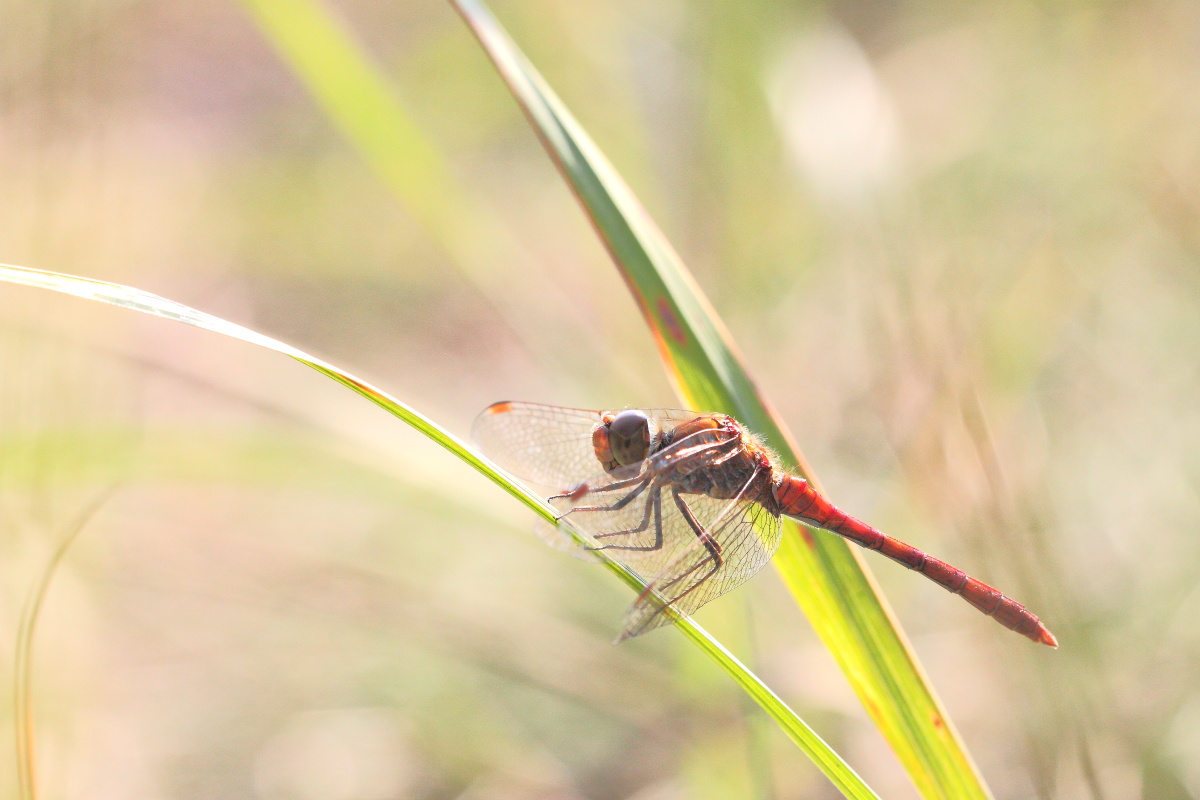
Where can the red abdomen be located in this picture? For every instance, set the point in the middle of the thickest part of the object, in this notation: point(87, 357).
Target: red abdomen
point(799, 500)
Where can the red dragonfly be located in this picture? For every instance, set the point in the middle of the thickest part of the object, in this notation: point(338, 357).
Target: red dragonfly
point(692, 501)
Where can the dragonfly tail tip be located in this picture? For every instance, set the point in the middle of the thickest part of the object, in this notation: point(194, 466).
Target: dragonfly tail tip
point(1046, 637)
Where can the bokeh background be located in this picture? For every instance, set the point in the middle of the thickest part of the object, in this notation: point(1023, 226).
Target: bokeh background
point(958, 245)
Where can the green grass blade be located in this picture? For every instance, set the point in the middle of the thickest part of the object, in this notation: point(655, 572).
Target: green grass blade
point(829, 762)
point(826, 576)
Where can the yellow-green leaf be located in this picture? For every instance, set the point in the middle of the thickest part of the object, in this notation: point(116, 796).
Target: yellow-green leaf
point(827, 578)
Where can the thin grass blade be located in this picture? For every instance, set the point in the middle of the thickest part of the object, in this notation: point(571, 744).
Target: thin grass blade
point(23, 652)
point(825, 575)
point(317, 45)
point(349, 87)
point(836, 769)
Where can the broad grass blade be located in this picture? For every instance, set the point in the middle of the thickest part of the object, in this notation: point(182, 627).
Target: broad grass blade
point(836, 769)
point(826, 576)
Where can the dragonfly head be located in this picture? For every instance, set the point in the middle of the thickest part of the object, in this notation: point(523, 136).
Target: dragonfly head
point(629, 437)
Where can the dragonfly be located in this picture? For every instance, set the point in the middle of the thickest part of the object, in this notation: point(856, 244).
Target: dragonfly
point(691, 501)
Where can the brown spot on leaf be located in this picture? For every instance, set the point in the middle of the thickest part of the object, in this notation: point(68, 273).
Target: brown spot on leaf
point(670, 321)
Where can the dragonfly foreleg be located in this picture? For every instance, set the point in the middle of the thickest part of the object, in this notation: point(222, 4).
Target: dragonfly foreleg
point(643, 481)
point(583, 488)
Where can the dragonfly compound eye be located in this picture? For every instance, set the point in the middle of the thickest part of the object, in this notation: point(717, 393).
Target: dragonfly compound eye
point(629, 437)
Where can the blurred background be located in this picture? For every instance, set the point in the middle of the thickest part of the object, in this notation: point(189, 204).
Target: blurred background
point(958, 246)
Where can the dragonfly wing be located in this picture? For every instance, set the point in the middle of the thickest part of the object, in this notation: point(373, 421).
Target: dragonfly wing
point(688, 576)
point(549, 446)
point(670, 417)
point(557, 537)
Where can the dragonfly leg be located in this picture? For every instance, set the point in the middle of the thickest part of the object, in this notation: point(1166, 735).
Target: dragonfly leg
point(710, 544)
point(611, 487)
point(582, 489)
point(655, 505)
point(714, 557)
point(642, 480)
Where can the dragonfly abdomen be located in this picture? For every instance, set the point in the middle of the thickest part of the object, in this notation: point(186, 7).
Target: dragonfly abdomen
point(797, 499)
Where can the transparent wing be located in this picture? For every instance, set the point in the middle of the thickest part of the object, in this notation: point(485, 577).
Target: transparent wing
point(559, 539)
point(741, 534)
point(547, 445)
point(670, 417)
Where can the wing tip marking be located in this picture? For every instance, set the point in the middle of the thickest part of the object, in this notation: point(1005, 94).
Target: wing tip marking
point(499, 408)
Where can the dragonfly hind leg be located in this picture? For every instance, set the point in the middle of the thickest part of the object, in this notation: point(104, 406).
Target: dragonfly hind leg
point(705, 538)
point(714, 557)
